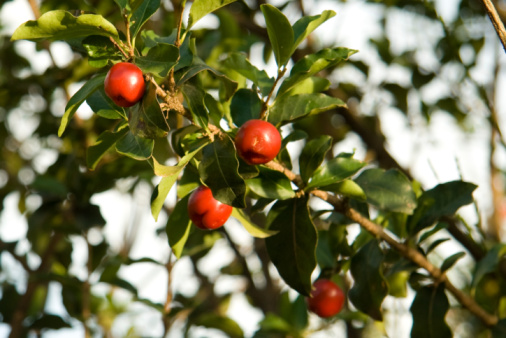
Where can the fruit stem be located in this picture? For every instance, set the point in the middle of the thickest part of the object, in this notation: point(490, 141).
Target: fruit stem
point(119, 47)
point(265, 104)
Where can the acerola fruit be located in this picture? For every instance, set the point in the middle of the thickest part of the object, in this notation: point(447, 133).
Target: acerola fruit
point(257, 142)
point(206, 212)
point(327, 299)
point(124, 84)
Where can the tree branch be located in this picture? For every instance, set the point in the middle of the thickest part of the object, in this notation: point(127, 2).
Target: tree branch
point(496, 21)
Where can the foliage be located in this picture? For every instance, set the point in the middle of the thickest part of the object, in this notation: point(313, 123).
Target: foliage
point(203, 84)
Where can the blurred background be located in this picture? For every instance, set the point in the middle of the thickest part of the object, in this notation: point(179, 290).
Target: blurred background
point(424, 96)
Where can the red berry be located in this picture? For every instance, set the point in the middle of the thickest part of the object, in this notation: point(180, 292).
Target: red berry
point(257, 142)
point(124, 84)
point(206, 212)
point(327, 299)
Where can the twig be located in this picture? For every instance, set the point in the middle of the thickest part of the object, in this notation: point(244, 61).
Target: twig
point(119, 47)
point(496, 21)
point(265, 104)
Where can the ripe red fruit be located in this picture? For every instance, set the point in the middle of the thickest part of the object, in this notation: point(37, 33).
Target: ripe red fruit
point(257, 142)
point(124, 84)
point(206, 212)
point(327, 299)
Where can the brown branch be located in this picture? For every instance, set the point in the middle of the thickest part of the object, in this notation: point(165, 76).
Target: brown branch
point(119, 48)
point(496, 21)
point(265, 104)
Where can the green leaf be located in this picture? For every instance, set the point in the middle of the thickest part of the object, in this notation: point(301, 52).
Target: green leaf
point(61, 25)
point(224, 324)
point(388, 190)
point(429, 309)
point(245, 105)
point(239, 63)
point(293, 249)
point(219, 171)
point(170, 175)
point(178, 226)
point(313, 155)
point(123, 4)
point(499, 330)
point(49, 321)
point(450, 261)
point(195, 96)
point(290, 108)
point(100, 50)
point(280, 33)
point(104, 107)
point(435, 244)
point(398, 284)
point(201, 8)
point(146, 118)
point(347, 188)
point(141, 13)
point(443, 200)
point(370, 287)
point(253, 229)
point(104, 142)
point(335, 170)
point(311, 85)
point(78, 98)
point(489, 263)
point(294, 312)
point(271, 184)
point(272, 324)
point(313, 64)
point(159, 60)
point(135, 147)
point(307, 24)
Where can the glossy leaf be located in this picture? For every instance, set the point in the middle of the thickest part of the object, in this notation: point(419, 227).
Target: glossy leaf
point(159, 60)
point(298, 106)
point(335, 170)
point(178, 226)
point(307, 24)
point(313, 155)
point(195, 96)
point(141, 13)
point(78, 98)
point(313, 64)
point(280, 33)
point(135, 147)
point(239, 63)
point(370, 287)
point(245, 105)
point(146, 118)
point(429, 309)
point(271, 184)
point(293, 249)
point(253, 229)
point(388, 190)
point(100, 50)
point(219, 171)
point(201, 8)
point(104, 107)
point(450, 261)
point(104, 142)
point(347, 188)
point(310, 85)
point(62, 25)
point(443, 200)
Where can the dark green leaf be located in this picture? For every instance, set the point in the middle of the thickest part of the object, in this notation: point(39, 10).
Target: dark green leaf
point(280, 33)
point(100, 49)
point(61, 25)
point(294, 312)
point(293, 249)
point(219, 171)
point(224, 324)
point(104, 142)
point(49, 321)
point(435, 244)
point(290, 108)
point(499, 330)
point(429, 309)
point(313, 64)
point(135, 147)
point(239, 63)
point(245, 105)
point(489, 263)
point(146, 118)
point(370, 287)
point(201, 8)
point(141, 13)
point(194, 96)
point(307, 24)
point(103, 106)
point(159, 60)
point(271, 184)
point(450, 261)
point(8, 302)
point(388, 190)
point(335, 170)
point(178, 226)
point(443, 200)
point(253, 229)
point(78, 98)
point(313, 155)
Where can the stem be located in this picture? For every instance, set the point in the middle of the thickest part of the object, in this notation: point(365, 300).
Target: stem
point(178, 8)
point(119, 47)
point(496, 21)
point(129, 40)
point(265, 104)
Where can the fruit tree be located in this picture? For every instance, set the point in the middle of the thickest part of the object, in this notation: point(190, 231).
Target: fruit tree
point(280, 167)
